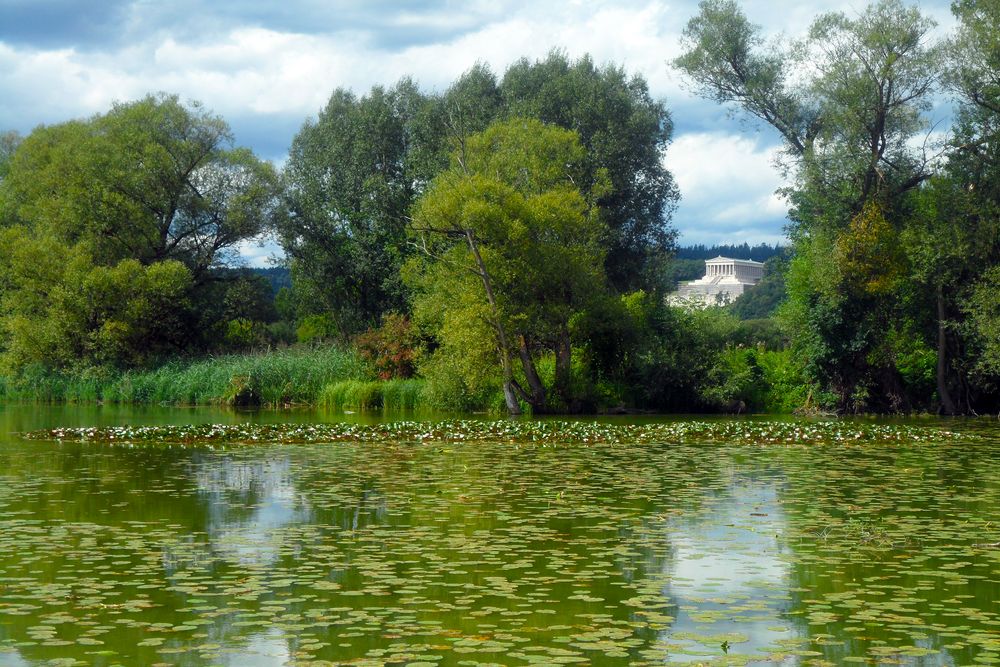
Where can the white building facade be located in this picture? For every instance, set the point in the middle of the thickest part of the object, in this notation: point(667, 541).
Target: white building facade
point(724, 280)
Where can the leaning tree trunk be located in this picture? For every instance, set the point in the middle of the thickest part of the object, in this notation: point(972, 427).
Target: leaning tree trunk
point(510, 398)
point(947, 404)
point(537, 398)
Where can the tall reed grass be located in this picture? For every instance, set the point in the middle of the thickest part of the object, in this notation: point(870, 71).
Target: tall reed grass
point(292, 375)
point(389, 395)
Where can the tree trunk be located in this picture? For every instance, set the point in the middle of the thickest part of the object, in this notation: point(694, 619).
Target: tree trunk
point(564, 360)
point(947, 404)
point(509, 397)
point(537, 398)
point(513, 407)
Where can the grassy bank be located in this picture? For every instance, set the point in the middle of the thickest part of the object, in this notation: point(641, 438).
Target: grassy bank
point(292, 375)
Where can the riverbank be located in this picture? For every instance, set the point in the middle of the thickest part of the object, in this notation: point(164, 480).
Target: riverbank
point(339, 378)
point(275, 378)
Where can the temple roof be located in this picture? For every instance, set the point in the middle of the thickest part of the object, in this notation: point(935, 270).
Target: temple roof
point(720, 259)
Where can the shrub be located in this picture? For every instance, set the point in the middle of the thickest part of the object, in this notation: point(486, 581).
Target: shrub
point(391, 348)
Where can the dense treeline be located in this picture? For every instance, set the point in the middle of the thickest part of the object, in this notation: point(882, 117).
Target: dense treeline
point(891, 291)
point(758, 253)
point(355, 173)
point(505, 244)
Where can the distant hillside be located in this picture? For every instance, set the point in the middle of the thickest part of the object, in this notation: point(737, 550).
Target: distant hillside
point(762, 300)
point(758, 253)
point(277, 276)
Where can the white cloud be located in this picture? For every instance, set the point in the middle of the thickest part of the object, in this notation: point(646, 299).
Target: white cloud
point(259, 252)
point(273, 71)
point(727, 184)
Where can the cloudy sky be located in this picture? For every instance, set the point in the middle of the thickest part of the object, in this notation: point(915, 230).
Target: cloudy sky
point(267, 66)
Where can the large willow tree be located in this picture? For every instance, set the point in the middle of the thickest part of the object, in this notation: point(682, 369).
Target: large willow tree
point(113, 225)
point(509, 254)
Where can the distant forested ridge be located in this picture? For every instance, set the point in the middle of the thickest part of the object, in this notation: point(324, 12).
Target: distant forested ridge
point(278, 277)
point(758, 253)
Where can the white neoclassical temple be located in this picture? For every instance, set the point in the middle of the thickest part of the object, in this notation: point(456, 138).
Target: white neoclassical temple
point(724, 280)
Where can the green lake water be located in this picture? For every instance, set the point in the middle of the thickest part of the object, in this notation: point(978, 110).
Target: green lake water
point(493, 553)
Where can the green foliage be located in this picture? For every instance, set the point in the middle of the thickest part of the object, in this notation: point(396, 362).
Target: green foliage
point(915, 361)
point(234, 309)
point(656, 356)
point(277, 277)
point(535, 198)
point(848, 118)
point(788, 388)
point(402, 395)
point(758, 253)
point(457, 384)
point(247, 296)
point(589, 395)
point(679, 270)
point(659, 357)
point(512, 252)
point(724, 58)
point(624, 131)
point(843, 302)
point(748, 379)
point(769, 333)
point(975, 57)
point(983, 310)
point(351, 394)
point(736, 382)
point(462, 372)
point(61, 310)
point(149, 180)
point(9, 142)
point(115, 227)
point(350, 180)
point(763, 299)
point(354, 174)
point(316, 329)
point(242, 333)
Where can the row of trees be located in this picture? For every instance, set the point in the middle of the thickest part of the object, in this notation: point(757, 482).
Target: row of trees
point(512, 235)
point(355, 173)
point(892, 289)
point(505, 215)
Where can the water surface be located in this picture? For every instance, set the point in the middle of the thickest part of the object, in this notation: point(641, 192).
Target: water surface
point(493, 553)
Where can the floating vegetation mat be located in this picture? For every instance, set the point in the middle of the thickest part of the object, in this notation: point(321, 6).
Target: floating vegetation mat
point(502, 543)
point(555, 432)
